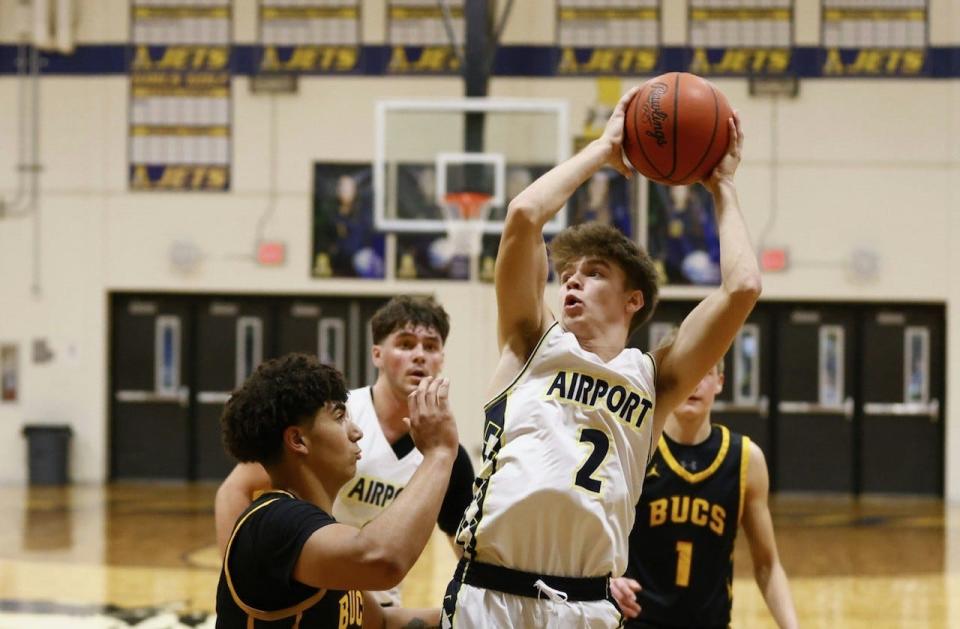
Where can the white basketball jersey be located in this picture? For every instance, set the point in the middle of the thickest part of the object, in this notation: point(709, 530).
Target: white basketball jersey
point(380, 477)
point(380, 474)
point(565, 449)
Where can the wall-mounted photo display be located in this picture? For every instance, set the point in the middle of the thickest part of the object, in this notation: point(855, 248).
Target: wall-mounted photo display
point(345, 243)
point(424, 255)
point(607, 197)
point(518, 177)
point(682, 234)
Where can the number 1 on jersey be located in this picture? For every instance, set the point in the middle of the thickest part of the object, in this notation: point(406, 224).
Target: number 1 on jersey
point(601, 445)
point(684, 557)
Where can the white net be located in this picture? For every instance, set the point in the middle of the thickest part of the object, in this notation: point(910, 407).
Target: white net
point(465, 218)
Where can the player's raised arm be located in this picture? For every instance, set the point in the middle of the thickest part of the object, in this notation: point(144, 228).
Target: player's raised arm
point(521, 270)
point(706, 333)
point(379, 555)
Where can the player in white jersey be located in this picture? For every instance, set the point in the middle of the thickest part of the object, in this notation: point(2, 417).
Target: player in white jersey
point(408, 335)
point(575, 414)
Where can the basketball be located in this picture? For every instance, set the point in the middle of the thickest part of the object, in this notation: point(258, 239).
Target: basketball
point(676, 128)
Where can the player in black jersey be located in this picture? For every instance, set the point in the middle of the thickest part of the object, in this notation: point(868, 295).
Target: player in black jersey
point(288, 562)
point(700, 485)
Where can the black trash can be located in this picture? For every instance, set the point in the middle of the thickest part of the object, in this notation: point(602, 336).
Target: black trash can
point(48, 447)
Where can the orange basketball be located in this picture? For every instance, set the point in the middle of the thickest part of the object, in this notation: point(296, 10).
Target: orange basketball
point(676, 128)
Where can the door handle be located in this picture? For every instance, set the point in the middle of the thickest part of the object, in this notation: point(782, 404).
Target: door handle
point(788, 407)
point(761, 407)
point(213, 397)
point(181, 396)
point(929, 409)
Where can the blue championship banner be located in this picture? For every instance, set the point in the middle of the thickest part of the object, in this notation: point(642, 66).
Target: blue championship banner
point(419, 34)
point(804, 62)
point(180, 97)
point(751, 37)
point(309, 37)
point(617, 38)
point(887, 38)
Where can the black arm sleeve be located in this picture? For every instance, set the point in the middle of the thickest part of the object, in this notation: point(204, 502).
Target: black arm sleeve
point(459, 493)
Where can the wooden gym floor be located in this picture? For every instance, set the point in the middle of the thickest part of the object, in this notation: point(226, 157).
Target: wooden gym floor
point(143, 555)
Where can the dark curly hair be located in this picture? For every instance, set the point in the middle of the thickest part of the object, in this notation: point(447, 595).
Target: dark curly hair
point(405, 309)
point(607, 242)
point(282, 392)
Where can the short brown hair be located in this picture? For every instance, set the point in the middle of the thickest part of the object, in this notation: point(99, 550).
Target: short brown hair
point(609, 243)
point(406, 309)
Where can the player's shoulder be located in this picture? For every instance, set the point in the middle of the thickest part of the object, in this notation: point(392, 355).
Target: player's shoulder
point(758, 476)
point(755, 452)
point(279, 504)
point(741, 442)
point(360, 393)
point(359, 400)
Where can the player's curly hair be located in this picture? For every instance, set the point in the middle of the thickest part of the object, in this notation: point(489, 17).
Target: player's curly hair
point(406, 309)
point(607, 242)
point(282, 392)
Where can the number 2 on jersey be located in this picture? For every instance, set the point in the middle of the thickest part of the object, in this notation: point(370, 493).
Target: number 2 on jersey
point(684, 557)
point(601, 445)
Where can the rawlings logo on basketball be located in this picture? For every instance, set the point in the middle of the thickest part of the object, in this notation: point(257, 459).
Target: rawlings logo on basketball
point(676, 129)
point(652, 113)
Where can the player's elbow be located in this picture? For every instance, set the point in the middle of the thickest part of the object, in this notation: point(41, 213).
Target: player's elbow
point(523, 213)
point(746, 287)
point(387, 570)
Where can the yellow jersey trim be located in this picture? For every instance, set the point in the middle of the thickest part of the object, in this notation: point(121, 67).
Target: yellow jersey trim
point(252, 612)
point(744, 465)
point(679, 470)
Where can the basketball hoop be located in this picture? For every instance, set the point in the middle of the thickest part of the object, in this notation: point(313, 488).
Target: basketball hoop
point(465, 217)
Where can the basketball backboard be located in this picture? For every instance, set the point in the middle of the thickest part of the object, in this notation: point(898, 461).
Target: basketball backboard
point(427, 150)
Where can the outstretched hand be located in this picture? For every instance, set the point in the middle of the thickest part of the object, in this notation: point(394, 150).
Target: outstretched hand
point(431, 422)
point(624, 592)
point(613, 134)
point(727, 167)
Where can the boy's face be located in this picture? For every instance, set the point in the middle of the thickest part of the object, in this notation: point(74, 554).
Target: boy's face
point(700, 402)
point(332, 438)
point(593, 295)
point(407, 355)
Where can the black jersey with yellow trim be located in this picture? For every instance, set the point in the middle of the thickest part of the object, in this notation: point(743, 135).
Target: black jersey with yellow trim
point(257, 588)
point(681, 545)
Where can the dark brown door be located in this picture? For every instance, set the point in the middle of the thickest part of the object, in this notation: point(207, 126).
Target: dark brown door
point(815, 408)
point(150, 396)
point(234, 335)
point(901, 430)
